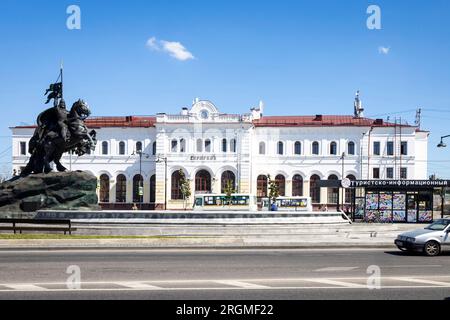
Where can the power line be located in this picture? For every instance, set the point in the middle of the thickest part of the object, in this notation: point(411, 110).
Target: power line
point(392, 113)
point(6, 150)
point(438, 110)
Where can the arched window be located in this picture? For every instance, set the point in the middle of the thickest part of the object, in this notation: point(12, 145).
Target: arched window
point(203, 182)
point(122, 148)
point(182, 146)
point(280, 148)
point(138, 182)
point(333, 193)
point(154, 148)
point(280, 181)
point(121, 189)
point(153, 189)
point(233, 145)
point(298, 148)
point(104, 188)
point(261, 184)
point(174, 145)
point(228, 176)
point(224, 145)
point(349, 191)
point(315, 148)
point(333, 148)
point(138, 146)
point(314, 188)
point(351, 148)
point(297, 186)
point(176, 186)
point(199, 145)
point(262, 148)
point(207, 145)
point(104, 148)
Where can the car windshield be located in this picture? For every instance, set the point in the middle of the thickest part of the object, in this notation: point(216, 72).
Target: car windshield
point(438, 225)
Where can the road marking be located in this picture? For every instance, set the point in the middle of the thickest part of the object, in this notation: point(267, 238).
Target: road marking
point(424, 281)
point(337, 283)
point(330, 269)
point(414, 266)
point(25, 287)
point(241, 284)
point(138, 285)
point(334, 283)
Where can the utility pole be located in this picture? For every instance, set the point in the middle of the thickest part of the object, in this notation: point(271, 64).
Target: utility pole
point(141, 179)
point(159, 160)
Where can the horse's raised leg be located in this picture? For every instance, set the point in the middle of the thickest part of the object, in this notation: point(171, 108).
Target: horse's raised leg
point(57, 161)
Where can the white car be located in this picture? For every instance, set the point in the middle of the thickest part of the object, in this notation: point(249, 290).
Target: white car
point(432, 240)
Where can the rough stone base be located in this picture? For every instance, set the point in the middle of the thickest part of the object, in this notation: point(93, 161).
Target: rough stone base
point(58, 190)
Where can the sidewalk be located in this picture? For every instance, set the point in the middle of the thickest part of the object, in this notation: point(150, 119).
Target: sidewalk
point(300, 236)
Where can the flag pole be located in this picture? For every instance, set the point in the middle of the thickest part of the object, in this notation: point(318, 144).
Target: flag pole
point(62, 80)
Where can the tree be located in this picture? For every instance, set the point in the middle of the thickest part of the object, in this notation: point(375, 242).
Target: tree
point(274, 191)
point(229, 190)
point(185, 187)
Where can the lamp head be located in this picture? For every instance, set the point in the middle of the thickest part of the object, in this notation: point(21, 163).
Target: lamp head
point(442, 144)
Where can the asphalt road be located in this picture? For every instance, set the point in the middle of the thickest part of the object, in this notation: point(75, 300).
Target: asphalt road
point(223, 274)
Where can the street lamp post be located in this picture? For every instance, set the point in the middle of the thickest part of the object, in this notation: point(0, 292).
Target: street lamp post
point(442, 144)
point(341, 195)
point(141, 180)
point(159, 160)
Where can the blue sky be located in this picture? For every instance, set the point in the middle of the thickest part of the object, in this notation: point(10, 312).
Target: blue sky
point(299, 57)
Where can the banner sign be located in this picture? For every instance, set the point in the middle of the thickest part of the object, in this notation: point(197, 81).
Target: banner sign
point(400, 183)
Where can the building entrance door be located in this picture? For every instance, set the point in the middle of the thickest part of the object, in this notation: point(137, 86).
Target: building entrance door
point(203, 182)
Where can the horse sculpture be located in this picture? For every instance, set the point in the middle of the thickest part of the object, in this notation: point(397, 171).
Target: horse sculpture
point(58, 132)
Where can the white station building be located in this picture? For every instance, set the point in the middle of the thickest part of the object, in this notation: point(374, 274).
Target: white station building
point(212, 147)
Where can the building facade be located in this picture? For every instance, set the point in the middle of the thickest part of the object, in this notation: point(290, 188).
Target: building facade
point(138, 159)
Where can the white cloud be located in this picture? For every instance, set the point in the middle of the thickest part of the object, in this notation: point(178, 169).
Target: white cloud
point(384, 50)
point(174, 49)
point(151, 43)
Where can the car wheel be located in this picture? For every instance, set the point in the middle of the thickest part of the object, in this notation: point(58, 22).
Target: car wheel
point(432, 248)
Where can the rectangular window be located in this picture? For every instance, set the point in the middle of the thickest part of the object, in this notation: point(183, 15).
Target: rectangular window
point(390, 173)
point(404, 148)
point(376, 173)
point(23, 148)
point(174, 146)
point(403, 173)
point(390, 148)
point(376, 148)
point(315, 148)
point(208, 146)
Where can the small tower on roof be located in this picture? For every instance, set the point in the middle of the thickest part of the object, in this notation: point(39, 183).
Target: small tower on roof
point(359, 110)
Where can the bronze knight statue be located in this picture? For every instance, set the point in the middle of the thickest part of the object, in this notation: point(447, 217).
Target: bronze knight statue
point(59, 131)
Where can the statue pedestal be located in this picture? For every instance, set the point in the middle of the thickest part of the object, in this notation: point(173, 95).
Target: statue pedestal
point(56, 190)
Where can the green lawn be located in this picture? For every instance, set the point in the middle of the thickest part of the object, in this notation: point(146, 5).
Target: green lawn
point(61, 236)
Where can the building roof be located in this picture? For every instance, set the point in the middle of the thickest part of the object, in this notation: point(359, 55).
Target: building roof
point(120, 122)
point(321, 121)
point(266, 121)
point(113, 122)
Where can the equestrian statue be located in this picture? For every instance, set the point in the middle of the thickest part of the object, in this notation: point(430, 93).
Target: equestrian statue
point(59, 131)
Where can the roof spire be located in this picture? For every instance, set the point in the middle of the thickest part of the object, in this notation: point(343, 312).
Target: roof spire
point(359, 110)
